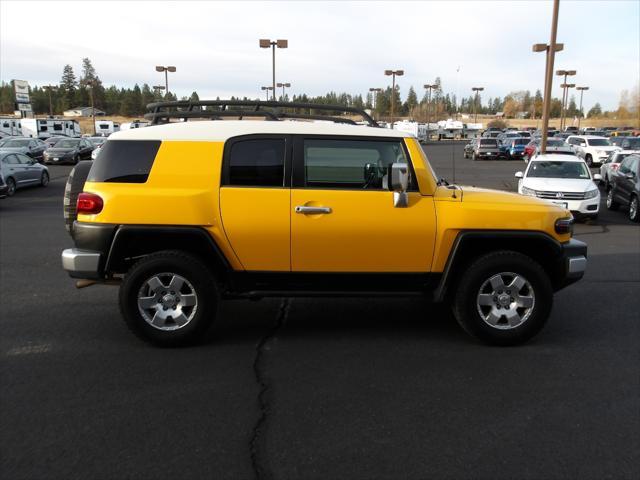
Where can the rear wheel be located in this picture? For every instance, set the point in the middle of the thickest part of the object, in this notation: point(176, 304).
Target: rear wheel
point(75, 184)
point(169, 299)
point(634, 209)
point(504, 298)
point(11, 187)
point(44, 179)
point(589, 159)
point(611, 201)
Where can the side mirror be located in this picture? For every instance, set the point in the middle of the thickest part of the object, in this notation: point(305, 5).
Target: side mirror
point(630, 175)
point(519, 175)
point(597, 176)
point(399, 176)
point(399, 183)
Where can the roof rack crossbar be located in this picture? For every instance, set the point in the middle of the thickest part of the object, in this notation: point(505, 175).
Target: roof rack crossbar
point(162, 112)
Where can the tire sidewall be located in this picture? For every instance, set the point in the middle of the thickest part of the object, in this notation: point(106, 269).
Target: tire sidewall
point(44, 179)
point(484, 268)
point(637, 216)
point(11, 190)
point(192, 270)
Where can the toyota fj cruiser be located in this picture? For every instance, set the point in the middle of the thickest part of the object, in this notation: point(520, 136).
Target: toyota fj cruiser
point(183, 214)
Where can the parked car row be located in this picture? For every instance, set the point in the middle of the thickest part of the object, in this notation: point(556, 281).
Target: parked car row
point(54, 150)
point(18, 170)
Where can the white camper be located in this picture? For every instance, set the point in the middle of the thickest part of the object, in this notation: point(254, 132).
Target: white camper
point(106, 127)
point(418, 130)
point(49, 127)
point(450, 129)
point(134, 124)
point(10, 125)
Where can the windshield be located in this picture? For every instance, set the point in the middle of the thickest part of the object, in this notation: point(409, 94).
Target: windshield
point(521, 141)
point(555, 143)
point(97, 140)
point(67, 143)
point(488, 143)
point(544, 169)
point(16, 143)
point(599, 142)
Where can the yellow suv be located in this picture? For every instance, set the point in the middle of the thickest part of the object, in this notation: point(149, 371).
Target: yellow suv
point(183, 214)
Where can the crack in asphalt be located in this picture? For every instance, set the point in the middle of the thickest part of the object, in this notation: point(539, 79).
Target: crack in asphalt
point(257, 445)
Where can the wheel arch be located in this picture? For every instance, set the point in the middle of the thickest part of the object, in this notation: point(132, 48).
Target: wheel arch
point(470, 245)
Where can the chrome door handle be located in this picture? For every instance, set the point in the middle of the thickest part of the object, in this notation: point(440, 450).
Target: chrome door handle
point(303, 209)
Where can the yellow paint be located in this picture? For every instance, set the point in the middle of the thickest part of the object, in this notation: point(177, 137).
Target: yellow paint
point(424, 174)
point(363, 233)
point(257, 223)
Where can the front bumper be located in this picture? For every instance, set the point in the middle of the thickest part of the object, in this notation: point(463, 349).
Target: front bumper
point(573, 262)
point(590, 206)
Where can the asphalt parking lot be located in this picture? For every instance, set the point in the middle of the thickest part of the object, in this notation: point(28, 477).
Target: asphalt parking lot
point(315, 388)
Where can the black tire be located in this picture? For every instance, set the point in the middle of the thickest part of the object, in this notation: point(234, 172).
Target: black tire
point(11, 187)
point(75, 184)
point(199, 278)
point(589, 159)
point(612, 204)
point(76, 159)
point(474, 157)
point(465, 304)
point(44, 179)
point(634, 209)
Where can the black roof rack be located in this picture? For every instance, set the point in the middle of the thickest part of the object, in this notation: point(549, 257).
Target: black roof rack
point(162, 112)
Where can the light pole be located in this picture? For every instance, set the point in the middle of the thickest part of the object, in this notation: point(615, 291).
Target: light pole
point(266, 89)
point(551, 50)
point(375, 91)
point(266, 43)
point(475, 103)
point(565, 95)
point(93, 110)
point(565, 73)
point(283, 85)
point(393, 74)
point(581, 90)
point(49, 88)
point(429, 88)
point(158, 89)
point(166, 71)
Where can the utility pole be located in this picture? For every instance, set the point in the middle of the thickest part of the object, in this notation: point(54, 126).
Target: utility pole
point(429, 87)
point(166, 70)
point(266, 43)
point(283, 85)
point(393, 74)
point(581, 90)
point(551, 50)
point(49, 88)
point(565, 93)
point(475, 103)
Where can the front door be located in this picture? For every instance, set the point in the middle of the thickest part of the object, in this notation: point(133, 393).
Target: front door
point(343, 217)
point(255, 201)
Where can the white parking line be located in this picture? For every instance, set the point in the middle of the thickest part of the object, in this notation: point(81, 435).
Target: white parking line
point(29, 350)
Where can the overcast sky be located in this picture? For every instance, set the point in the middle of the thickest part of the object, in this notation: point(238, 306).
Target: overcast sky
point(339, 46)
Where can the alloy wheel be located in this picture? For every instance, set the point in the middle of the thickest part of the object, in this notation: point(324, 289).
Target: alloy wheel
point(505, 300)
point(167, 301)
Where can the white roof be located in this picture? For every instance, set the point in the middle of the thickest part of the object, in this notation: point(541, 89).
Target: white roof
point(588, 137)
point(221, 130)
point(550, 157)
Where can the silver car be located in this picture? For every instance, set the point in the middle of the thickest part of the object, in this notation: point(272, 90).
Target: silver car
point(18, 170)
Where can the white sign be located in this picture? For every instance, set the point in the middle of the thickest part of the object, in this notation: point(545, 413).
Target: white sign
point(21, 88)
point(24, 107)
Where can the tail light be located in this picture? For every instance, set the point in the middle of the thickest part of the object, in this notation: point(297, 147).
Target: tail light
point(89, 203)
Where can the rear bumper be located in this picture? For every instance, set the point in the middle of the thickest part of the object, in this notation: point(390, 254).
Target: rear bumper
point(81, 263)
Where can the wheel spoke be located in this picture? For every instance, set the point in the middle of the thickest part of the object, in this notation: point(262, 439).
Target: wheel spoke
point(525, 301)
point(517, 283)
point(147, 302)
point(188, 300)
point(155, 284)
point(176, 283)
point(158, 321)
point(484, 299)
point(493, 318)
point(497, 283)
point(181, 319)
point(512, 317)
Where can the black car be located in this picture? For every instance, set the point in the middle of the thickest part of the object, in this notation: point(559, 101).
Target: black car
point(624, 187)
point(33, 147)
point(485, 148)
point(51, 141)
point(69, 150)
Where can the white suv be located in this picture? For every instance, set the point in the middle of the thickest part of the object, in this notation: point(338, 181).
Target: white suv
point(564, 180)
point(594, 150)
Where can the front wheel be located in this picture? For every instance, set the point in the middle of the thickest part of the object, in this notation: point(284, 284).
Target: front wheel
point(11, 187)
point(611, 201)
point(634, 209)
point(504, 298)
point(169, 299)
point(44, 179)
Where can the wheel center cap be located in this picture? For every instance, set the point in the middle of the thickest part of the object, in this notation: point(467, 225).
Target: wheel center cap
point(168, 300)
point(504, 300)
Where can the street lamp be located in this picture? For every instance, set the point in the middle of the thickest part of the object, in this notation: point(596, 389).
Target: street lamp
point(429, 88)
point(266, 43)
point(91, 84)
point(565, 93)
point(283, 85)
point(158, 89)
point(551, 50)
point(266, 89)
point(49, 88)
point(475, 104)
point(581, 90)
point(166, 71)
point(376, 91)
point(393, 74)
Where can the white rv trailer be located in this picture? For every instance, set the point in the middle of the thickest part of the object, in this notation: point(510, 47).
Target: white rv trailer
point(10, 125)
point(134, 124)
point(106, 127)
point(49, 127)
point(472, 130)
point(450, 129)
point(418, 130)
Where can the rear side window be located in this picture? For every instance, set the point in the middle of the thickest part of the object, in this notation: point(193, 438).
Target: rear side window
point(256, 162)
point(124, 161)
